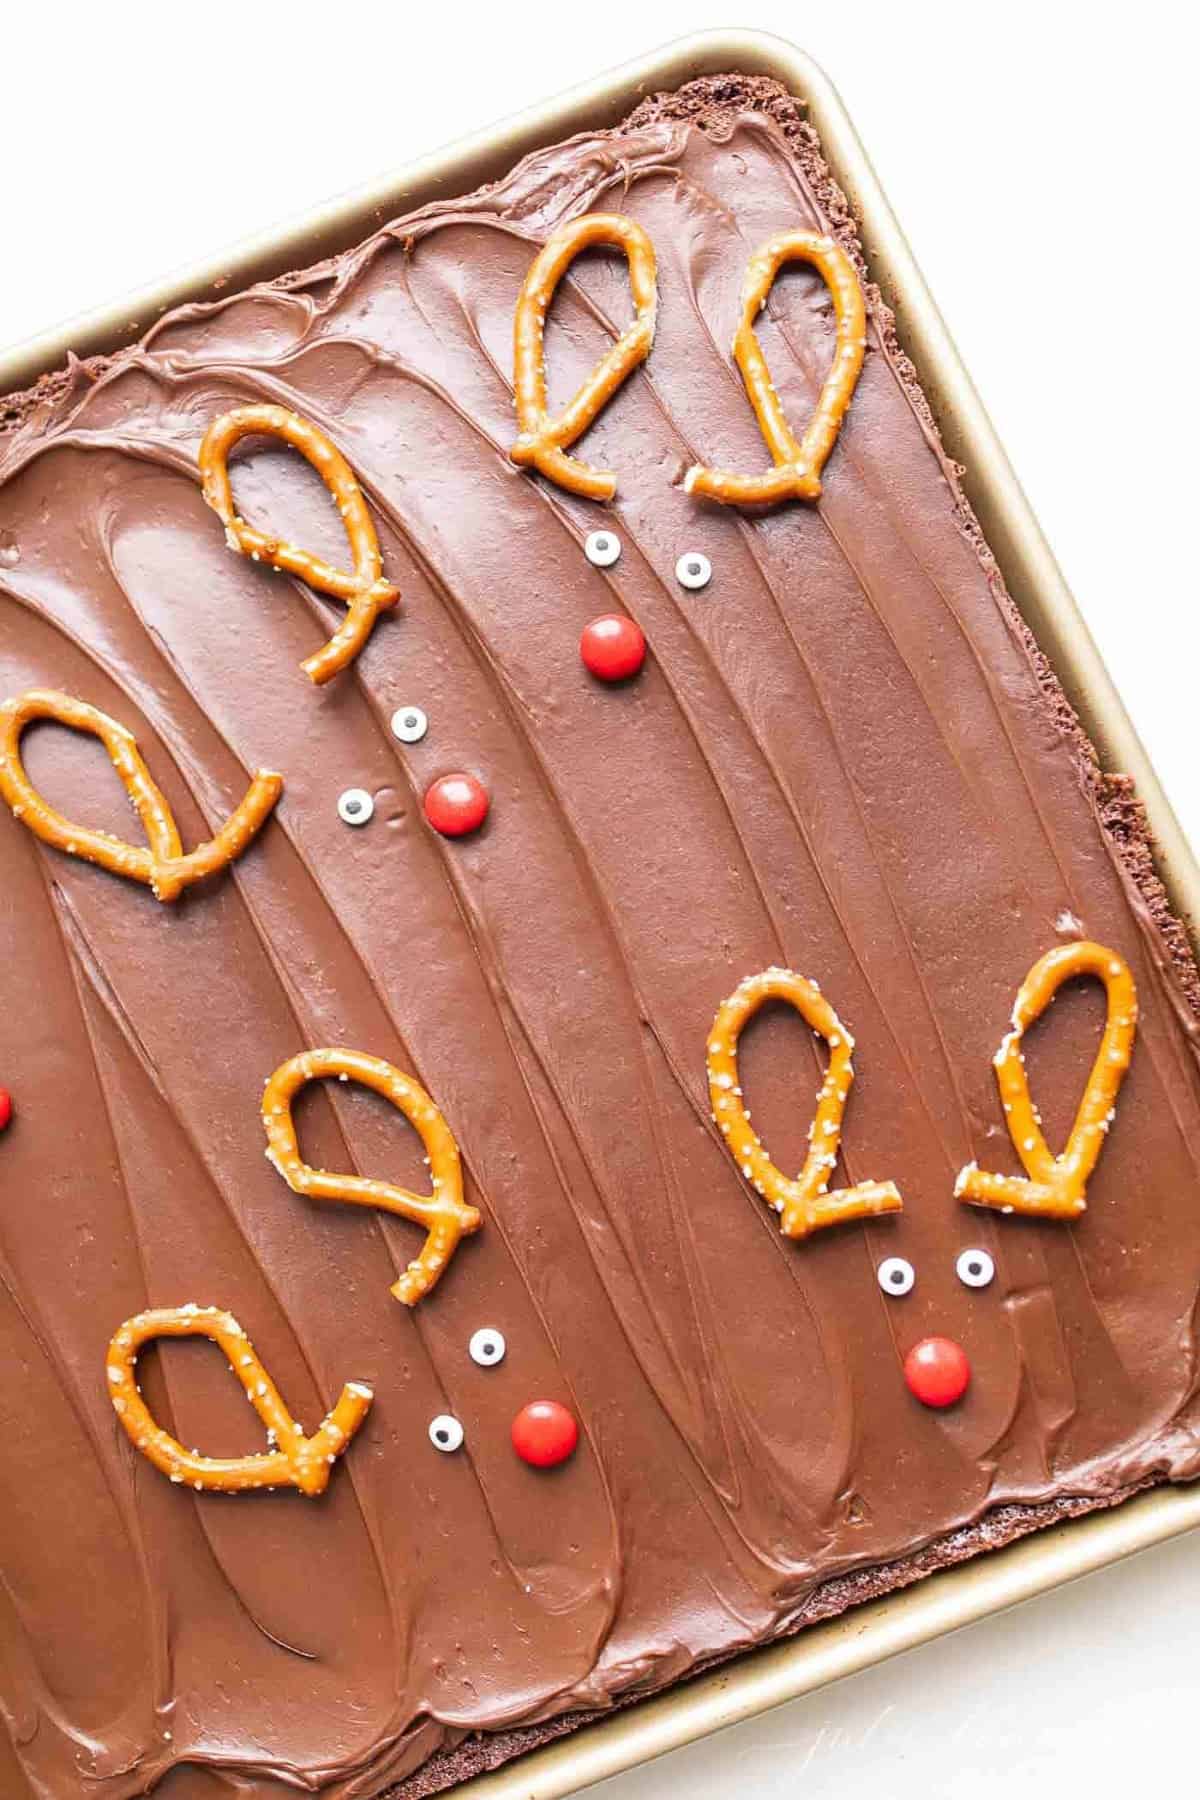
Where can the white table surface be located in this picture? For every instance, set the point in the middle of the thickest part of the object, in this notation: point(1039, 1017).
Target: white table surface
point(1042, 163)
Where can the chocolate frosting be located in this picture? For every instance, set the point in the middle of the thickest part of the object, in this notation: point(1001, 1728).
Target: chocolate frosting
point(840, 757)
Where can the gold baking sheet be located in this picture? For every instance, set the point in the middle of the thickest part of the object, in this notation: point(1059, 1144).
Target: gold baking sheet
point(943, 1602)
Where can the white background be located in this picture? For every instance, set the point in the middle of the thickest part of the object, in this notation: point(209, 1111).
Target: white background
point(1043, 163)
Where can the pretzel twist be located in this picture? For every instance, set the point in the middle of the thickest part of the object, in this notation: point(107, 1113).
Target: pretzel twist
point(543, 441)
point(297, 1461)
point(1056, 1187)
point(798, 465)
point(444, 1213)
point(365, 592)
point(805, 1203)
point(161, 864)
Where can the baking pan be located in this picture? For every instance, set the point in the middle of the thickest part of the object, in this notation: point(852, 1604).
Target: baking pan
point(998, 1579)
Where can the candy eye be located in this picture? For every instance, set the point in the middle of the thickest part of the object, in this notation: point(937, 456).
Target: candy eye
point(487, 1347)
point(602, 548)
point(895, 1276)
point(693, 570)
point(975, 1268)
point(355, 806)
point(445, 1433)
point(409, 724)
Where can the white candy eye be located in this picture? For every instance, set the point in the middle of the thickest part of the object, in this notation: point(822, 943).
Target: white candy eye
point(487, 1347)
point(445, 1432)
point(895, 1276)
point(355, 806)
point(975, 1268)
point(693, 570)
point(602, 548)
point(409, 724)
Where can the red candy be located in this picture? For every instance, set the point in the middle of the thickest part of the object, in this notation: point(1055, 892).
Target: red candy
point(613, 647)
point(5, 1107)
point(937, 1371)
point(544, 1433)
point(456, 804)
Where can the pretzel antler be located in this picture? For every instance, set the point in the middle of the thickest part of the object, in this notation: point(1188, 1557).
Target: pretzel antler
point(444, 1212)
point(805, 1203)
point(298, 1461)
point(365, 592)
point(1056, 1187)
point(163, 866)
point(543, 441)
point(798, 465)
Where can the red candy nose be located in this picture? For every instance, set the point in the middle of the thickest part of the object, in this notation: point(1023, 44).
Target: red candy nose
point(544, 1433)
point(613, 647)
point(456, 805)
point(937, 1371)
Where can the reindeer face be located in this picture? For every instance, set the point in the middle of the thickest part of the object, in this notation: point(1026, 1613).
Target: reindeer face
point(544, 1432)
point(936, 1367)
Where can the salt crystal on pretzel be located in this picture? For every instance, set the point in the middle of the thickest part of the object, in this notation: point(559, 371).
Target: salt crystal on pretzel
point(296, 1461)
point(805, 1204)
point(444, 1212)
point(798, 464)
point(162, 864)
point(543, 440)
point(365, 592)
point(1056, 1186)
